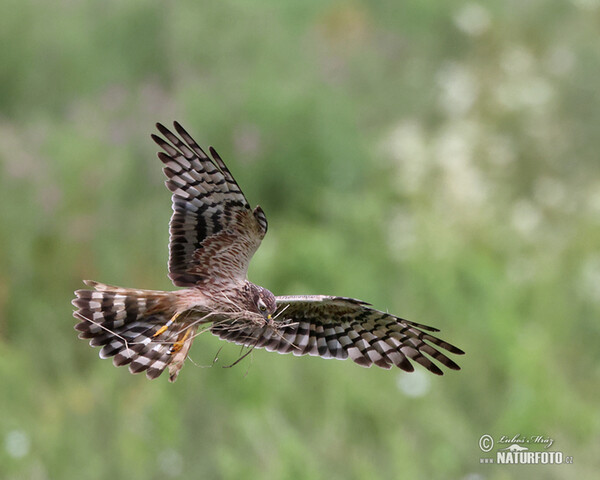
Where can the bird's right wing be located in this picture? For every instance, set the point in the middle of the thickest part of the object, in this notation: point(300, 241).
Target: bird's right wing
point(213, 231)
point(340, 327)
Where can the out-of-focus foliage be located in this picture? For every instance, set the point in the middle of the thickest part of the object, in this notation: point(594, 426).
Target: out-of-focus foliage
point(437, 159)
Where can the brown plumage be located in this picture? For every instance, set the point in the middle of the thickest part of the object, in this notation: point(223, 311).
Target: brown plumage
point(213, 235)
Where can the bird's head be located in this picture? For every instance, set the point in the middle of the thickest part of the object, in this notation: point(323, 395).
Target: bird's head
point(263, 301)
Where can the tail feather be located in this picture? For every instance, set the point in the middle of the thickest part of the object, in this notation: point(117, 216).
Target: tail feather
point(129, 325)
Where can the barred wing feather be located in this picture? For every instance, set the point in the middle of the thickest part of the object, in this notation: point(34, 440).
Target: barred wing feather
point(340, 327)
point(213, 231)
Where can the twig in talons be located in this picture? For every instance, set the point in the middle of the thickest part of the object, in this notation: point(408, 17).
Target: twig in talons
point(216, 359)
point(240, 359)
point(249, 365)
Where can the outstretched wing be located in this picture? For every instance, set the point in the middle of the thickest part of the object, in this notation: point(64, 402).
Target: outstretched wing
point(339, 327)
point(213, 231)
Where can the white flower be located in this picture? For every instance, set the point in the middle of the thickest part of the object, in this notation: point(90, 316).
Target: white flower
point(472, 19)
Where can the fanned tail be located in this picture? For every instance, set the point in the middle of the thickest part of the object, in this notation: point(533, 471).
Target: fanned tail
point(138, 328)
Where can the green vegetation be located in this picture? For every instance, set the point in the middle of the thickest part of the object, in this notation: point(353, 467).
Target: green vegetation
point(437, 159)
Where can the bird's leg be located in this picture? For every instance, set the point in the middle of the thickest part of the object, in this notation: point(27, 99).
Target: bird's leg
point(178, 345)
point(166, 325)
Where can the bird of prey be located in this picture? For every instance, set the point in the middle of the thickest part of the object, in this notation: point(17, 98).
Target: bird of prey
point(213, 234)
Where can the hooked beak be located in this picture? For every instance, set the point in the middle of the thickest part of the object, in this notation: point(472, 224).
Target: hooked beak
point(269, 316)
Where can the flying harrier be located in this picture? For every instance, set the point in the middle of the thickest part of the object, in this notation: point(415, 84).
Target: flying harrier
point(213, 235)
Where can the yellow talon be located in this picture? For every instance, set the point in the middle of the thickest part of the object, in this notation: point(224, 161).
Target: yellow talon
point(166, 325)
point(160, 330)
point(178, 345)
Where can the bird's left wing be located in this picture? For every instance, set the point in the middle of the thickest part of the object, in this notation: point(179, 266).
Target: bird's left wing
point(340, 327)
point(213, 231)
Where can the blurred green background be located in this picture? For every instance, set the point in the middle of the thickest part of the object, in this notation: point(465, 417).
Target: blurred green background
point(437, 159)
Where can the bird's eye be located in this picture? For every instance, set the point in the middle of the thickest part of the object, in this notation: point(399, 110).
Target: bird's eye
point(261, 306)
